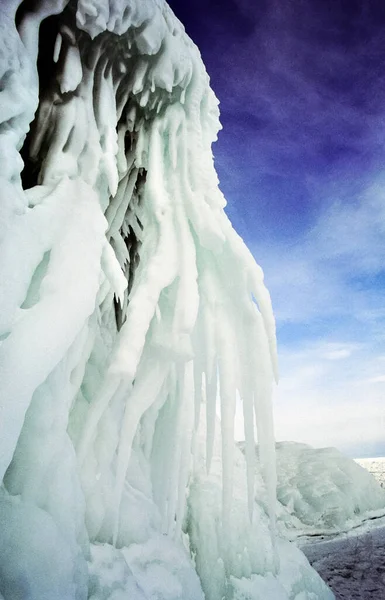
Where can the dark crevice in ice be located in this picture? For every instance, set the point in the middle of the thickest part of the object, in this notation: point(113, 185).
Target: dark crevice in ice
point(133, 245)
point(47, 69)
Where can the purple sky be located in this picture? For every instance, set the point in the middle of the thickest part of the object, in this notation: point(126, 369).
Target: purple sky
point(301, 162)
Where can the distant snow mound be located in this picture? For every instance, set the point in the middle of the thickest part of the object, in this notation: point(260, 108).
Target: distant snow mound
point(321, 488)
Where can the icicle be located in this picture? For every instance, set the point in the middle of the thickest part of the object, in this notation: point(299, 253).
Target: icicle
point(139, 75)
point(158, 273)
point(149, 420)
point(211, 413)
point(99, 405)
point(150, 378)
point(121, 159)
point(72, 73)
point(163, 447)
point(118, 206)
point(248, 419)
point(174, 477)
point(113, 272)
point(245, 339)
point(264, 416)
point(198, 384)
point(227, 378)
point(187, 300)
point(120, 250)
point(131, 118)
point(264, 304)
point(144, 98)
point(207, 349)
point(187, 429)
point(57, 48)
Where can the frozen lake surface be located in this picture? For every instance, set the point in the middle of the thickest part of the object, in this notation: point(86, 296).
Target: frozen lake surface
point(353, 563)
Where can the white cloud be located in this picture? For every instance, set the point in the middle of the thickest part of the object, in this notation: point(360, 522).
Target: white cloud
point(352, 425)
point(330, 271)
point(338, 354)
point(351, 234)
point(331, 402)
point(377, 379)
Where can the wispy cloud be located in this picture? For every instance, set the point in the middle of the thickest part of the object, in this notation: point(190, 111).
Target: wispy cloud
point(335, 351)
point(328, 291)
point(355, 426)
point(377, 379)
point(336, 268)
point(351, 232)
point(326, 402)
point(303, 86)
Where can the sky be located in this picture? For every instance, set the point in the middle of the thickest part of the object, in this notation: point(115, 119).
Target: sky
point(301, 162)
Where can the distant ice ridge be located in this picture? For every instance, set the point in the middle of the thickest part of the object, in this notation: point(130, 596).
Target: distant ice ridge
point(126, 300)
point(320, 490)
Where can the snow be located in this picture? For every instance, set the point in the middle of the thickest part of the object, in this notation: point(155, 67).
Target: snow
point(37, 560)
point(128, 302)
point(159, 568)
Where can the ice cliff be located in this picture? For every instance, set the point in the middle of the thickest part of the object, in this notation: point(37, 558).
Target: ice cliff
point(129, 305)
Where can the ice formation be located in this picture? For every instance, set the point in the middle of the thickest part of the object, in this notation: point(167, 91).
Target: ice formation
point(128, 306)
point(320, 489)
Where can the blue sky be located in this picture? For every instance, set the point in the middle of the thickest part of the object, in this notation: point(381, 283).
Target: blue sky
point(301, 161)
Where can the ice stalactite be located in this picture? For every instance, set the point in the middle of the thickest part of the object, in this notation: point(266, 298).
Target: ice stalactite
point(128, 301)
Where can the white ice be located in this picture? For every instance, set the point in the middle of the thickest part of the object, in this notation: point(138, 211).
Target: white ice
point(127, 300)
point(320, 490)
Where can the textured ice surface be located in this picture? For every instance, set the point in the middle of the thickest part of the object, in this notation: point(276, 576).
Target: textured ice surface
point(273, 569)
point(322, 489)
point(127, 302)
point(158, 568)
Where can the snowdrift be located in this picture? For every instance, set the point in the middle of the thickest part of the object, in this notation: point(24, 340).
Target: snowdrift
point(127, 301)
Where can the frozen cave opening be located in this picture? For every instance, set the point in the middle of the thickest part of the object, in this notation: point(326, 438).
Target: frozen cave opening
point(50, 65)
point(46, 68)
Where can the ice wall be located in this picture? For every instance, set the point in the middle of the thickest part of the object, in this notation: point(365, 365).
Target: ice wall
point(129, 305)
